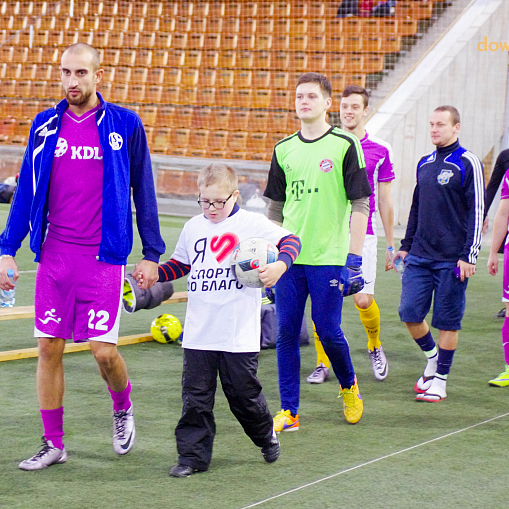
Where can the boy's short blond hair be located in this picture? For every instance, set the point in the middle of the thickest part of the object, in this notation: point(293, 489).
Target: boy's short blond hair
point(219, 174)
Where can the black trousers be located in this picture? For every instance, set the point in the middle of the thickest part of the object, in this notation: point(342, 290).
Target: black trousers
point(196, 428)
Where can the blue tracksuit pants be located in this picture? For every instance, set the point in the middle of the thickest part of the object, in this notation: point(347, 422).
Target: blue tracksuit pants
point(292, 290)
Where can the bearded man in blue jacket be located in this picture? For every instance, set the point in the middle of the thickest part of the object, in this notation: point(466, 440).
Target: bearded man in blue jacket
point(74, 196)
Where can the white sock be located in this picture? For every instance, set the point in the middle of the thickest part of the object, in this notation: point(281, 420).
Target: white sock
point(431, 366)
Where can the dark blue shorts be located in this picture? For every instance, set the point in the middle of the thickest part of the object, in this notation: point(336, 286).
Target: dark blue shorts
point(422, 278)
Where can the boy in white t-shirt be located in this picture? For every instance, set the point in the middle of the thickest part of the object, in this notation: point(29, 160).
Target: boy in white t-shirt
point(222, 325)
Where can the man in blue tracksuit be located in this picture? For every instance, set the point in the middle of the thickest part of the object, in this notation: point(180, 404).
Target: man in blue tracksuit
point(74, 196)
point(440, 248)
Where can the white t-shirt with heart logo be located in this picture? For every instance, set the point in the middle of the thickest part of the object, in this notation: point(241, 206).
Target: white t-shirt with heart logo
point(222, 315)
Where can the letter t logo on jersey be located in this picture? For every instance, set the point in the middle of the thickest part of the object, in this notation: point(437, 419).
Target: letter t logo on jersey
point(297, 189)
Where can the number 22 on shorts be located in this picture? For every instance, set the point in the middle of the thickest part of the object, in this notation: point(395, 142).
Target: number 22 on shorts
point(100, 324)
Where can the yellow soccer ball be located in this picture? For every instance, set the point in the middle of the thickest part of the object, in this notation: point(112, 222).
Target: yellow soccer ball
point(166, 329)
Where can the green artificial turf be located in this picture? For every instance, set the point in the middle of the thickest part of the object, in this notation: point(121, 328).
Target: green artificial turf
point(391, 464)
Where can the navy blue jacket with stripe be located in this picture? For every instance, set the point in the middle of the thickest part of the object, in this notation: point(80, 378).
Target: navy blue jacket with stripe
point(126, 161)
point(447, 213)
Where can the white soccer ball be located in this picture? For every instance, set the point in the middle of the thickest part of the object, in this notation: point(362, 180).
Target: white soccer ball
point(248, 256)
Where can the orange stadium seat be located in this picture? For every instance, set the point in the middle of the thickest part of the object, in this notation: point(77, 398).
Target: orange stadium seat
point(281, 25)
point(161, 137)
point(259, 120)
point(232, 9)
point(196, 41)
point(165, 115)
point(225, 77)
point(212, 41)
point(119, 92)
point(317, 42)
point(30, 108)
point(148, 115)
point(280, 42)
point(243, 98)
point(353, 43)
point(210, 59)
point(298, 9)
point(139, 74)
point(220, 119)
point(262, 97)
point(298, 61)
point(261, 79)
point(154, 93)
point(214, 25)
point(245, 59)
point(218, 140)
point(229, 41)
point(249, 9)
point(123, 74)
point(298, 42)
point(281, 60)
point(371, 43)
point(239, 120)
point(247, 26)
point(178, 40)
point(280, 99)
point(388, 26)
point(373, 62)
point(278, 121)
point(242, 78)
point(282, 9)
point(265, 26)
point(28, 72)
point(151, 24)
point(407, 27)
point(202, 118)
point(237, 140)
point(207, 77)
point(188, 95)
point(176, 58)
point(173, 76)
point(227, 60)
point(257, 141)
point(316, 9)
point(155, 75)
point(391, 44)
point(206, 96)
point(183, 117)
point(280, 80)
point(317, 62)
point(404, 10)
point(156, 57)
point(263, 41)
point(246, 42)
point(189, 77)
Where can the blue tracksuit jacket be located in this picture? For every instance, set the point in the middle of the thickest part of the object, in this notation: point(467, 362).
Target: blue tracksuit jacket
point(447, 213)
point(126, 161)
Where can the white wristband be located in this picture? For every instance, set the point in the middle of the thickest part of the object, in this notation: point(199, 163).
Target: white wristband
point(6, 256)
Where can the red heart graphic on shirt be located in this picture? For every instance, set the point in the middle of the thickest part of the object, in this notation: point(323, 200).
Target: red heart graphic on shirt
point(223, 245)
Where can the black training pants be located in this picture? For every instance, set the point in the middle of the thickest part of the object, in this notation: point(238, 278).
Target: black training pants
point(196, 428)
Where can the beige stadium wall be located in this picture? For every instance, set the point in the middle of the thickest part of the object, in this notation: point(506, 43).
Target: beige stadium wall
point(455, 71)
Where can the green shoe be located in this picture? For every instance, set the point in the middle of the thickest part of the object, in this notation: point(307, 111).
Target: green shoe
point(502, 380)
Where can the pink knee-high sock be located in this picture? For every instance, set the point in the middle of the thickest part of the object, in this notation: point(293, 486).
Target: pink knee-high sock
point(505, 339)
point(121, 400)
point(53, 422)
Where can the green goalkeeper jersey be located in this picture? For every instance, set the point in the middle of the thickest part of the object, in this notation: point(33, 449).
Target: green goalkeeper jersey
point(317, 180)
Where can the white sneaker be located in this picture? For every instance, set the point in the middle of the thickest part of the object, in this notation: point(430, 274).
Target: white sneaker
point(423, 384)
point(319, 375)
point(124, 431)
point(48, 455)
point(379, 363)
point(436, 392)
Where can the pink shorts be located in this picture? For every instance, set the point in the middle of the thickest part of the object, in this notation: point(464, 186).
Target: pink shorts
point(505, 279)
point(78, 297)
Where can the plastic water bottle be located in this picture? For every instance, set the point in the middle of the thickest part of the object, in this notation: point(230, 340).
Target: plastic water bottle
point(8, 297)
point(399, 264)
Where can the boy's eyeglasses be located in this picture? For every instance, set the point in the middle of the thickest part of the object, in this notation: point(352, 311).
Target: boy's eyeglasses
point(218, 205)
